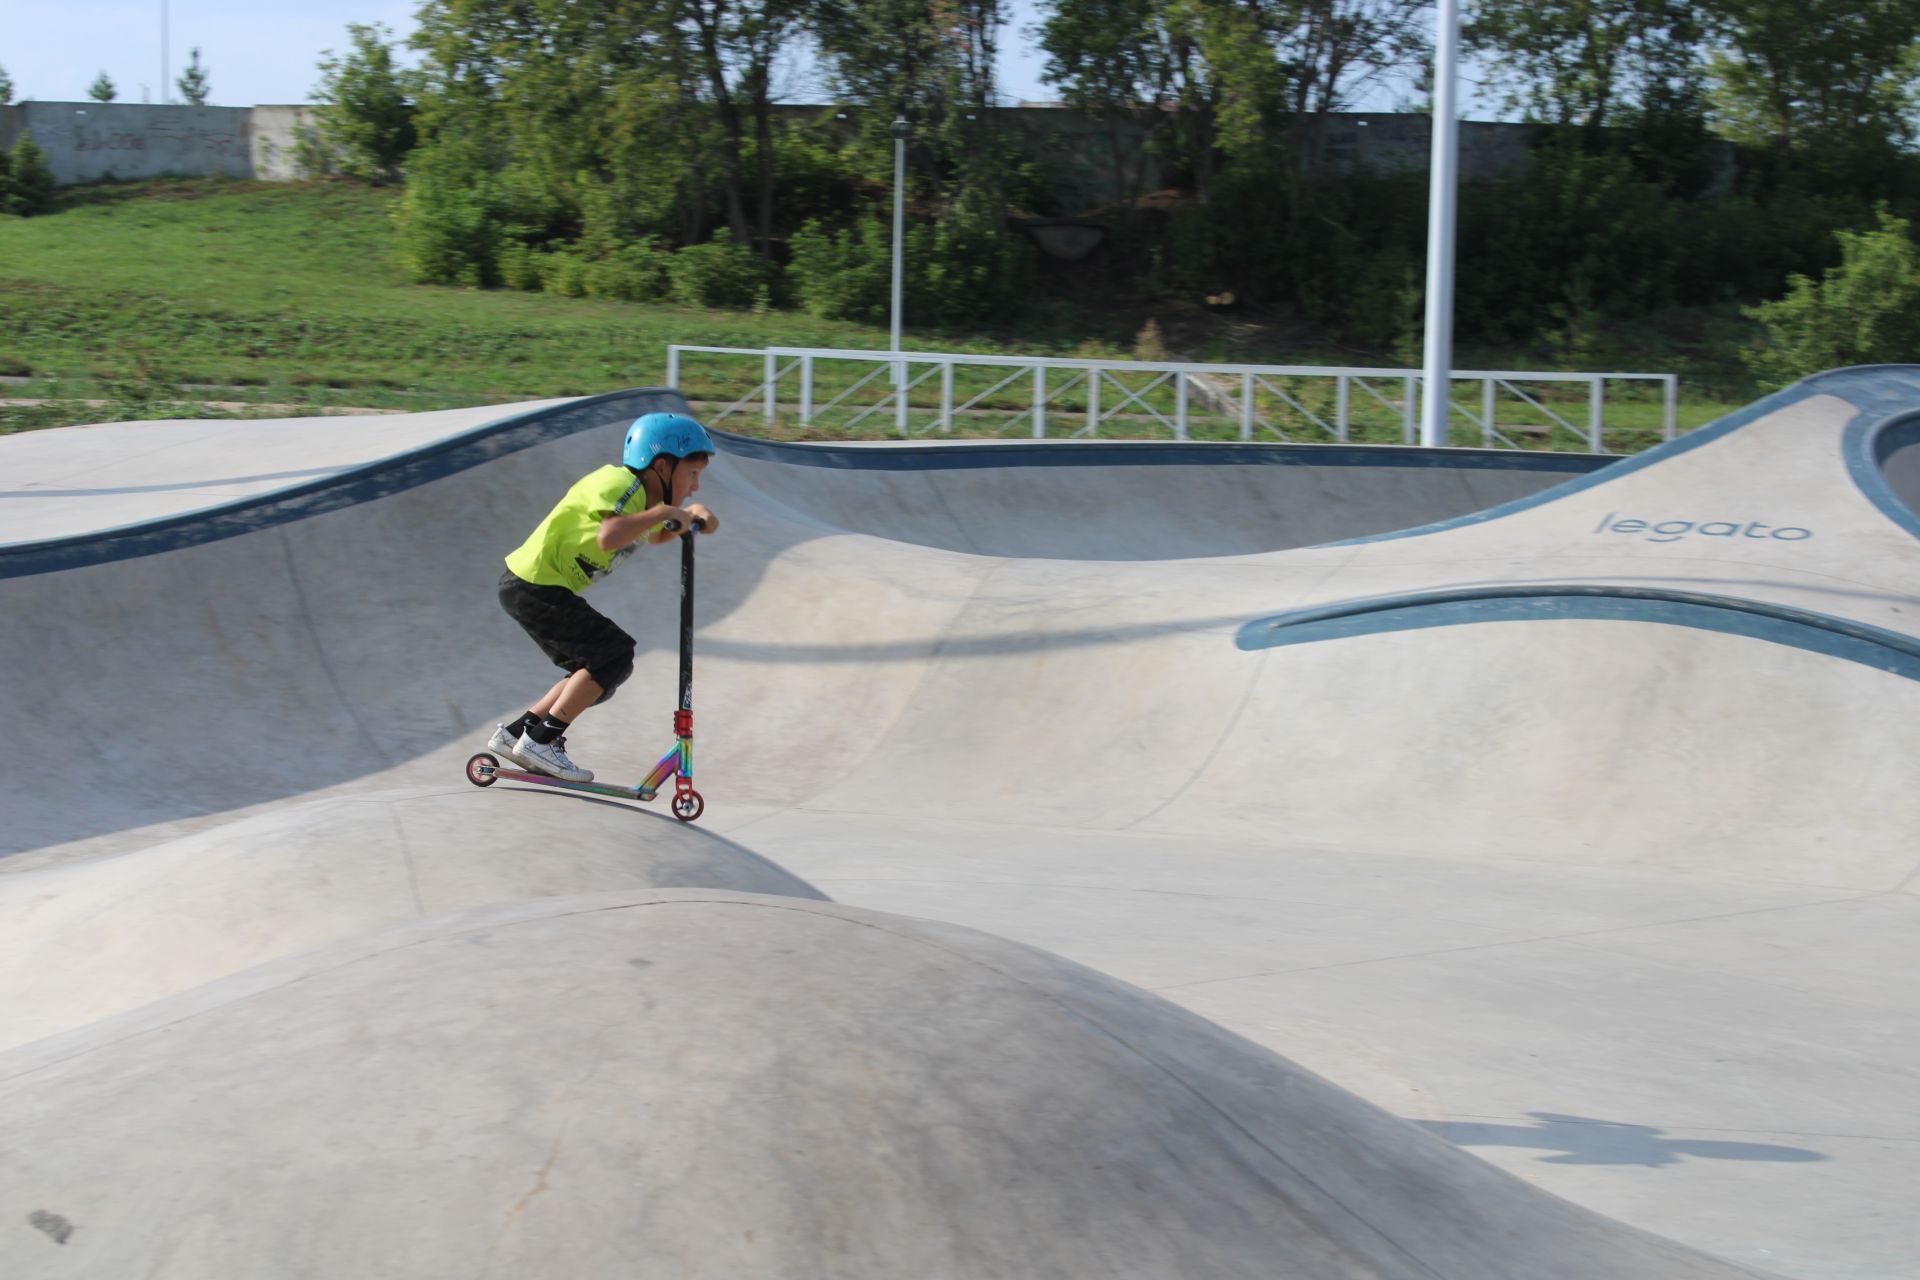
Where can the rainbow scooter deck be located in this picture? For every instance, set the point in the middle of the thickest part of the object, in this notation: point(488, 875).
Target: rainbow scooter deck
point(484, 769)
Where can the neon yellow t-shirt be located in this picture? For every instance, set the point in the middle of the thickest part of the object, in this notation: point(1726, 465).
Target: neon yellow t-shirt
point(565, 550)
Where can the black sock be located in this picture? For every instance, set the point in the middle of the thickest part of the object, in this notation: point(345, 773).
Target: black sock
point(546, 730)
point(520, 726)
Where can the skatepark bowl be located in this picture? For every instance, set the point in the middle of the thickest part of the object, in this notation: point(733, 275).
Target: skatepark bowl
point(1120, 860)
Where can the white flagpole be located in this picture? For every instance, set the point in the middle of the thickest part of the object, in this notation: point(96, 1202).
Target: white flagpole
point(1442, 198)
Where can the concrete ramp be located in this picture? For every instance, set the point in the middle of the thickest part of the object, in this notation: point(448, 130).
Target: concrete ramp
point(1108, 500)
point(91, 939)
point(1577, 829)
point(712, 1085)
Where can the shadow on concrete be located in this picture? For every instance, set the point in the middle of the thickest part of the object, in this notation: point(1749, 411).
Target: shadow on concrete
point(1584, 1140)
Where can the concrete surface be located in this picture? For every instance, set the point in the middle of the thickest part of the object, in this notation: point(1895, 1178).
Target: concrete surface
point(1587, 847)
point(695, 1084)
point(76, 942)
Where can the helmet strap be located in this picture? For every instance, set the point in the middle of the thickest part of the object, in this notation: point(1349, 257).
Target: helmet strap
point(666, 479)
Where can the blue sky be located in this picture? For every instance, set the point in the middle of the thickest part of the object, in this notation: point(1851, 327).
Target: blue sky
point(264, 51)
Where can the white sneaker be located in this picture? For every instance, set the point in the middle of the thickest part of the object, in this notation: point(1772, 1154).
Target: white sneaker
point(507, 746)
point(551, 759)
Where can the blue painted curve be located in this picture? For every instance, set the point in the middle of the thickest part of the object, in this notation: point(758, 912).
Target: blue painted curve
point(1870, 646)
point(330, 493)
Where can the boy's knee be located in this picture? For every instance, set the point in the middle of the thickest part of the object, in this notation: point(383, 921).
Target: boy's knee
point(611, 675)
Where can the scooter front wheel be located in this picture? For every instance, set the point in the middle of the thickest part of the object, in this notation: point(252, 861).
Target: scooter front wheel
point(480, 770)
point(687, 805)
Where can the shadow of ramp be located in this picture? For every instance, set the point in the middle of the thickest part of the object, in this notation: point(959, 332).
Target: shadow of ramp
point(696, 1085)
point(93, 939)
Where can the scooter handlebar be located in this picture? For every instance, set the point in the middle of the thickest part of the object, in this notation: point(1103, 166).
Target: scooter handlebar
point(674, 526)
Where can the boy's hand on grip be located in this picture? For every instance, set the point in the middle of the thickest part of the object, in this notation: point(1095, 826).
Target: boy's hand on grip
point(708, 521)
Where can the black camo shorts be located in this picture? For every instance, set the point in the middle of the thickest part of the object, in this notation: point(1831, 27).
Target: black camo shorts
point(571, 632)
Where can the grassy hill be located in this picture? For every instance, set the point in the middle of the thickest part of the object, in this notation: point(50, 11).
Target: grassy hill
point(187, 298)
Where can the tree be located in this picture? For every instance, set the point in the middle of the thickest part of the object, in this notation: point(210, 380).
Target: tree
point(366, 114)
point(556, 125)
point(102, 90)
point(737, 42)
point(1333, 51)
point(929, 63)
point(1828, 83)
point(1583, 63)
point(6, 87)
point(193, 82)
point(1113, 60)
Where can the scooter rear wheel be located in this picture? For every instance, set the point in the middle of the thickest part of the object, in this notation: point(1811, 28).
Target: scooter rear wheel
point(480, 770)
point(687, 805)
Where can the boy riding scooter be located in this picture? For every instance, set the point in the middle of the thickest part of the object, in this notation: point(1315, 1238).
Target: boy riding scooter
point(602, 520)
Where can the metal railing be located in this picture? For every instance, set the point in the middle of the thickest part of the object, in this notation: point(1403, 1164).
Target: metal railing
point(1073, 398)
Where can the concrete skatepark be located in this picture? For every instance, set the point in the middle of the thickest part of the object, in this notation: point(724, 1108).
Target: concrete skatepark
point(1133, 860)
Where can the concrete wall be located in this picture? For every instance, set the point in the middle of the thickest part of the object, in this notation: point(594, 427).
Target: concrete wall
point(91, 142)
point(276, 139)
point(1076, 151)
point(95, 141)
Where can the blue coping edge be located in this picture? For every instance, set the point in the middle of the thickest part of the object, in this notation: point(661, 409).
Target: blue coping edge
point(1150, 453)
point(511, 434)
point(1889, 421)
point(329, 493)
point(1876, 390)
point(1858, 642)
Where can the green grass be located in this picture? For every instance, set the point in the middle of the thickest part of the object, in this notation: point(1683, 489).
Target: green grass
point(148, 295)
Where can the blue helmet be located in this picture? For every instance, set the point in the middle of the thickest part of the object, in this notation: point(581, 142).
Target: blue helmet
point(673, 434)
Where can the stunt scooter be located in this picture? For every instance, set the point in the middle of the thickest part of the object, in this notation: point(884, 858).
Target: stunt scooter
point(483, 770)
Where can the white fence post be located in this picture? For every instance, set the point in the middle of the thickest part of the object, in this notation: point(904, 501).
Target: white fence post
point(1277, 379)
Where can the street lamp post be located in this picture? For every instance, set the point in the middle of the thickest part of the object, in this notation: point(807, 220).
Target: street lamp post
point(1442, 195)
point(901, 130)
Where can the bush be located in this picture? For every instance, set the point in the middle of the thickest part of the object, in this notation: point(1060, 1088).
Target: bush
point(1864, 311)
point(518, 266)
point(719, 273)
point(636, 272)
point(962, 269)
point(1577, 232)
point(448, 230)
point(26, 180)
point(564, 271)
point(972, 271)
point(845, 275)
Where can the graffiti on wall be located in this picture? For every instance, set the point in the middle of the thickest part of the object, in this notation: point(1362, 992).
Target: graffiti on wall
point(211, 141)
